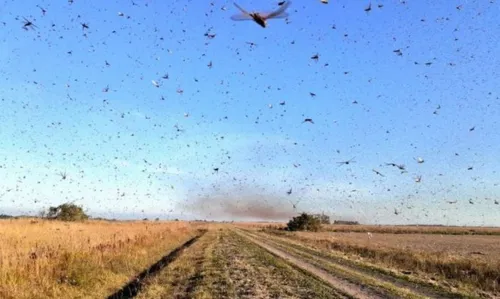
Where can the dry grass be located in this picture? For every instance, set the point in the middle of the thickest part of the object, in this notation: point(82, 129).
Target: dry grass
point(421, 229)
point(478, 247)
point(261, 224)
point(387, 229)
point(182, 277)
point(468, 262)
point(52, 259)
point(223, 264)
point(238, 268)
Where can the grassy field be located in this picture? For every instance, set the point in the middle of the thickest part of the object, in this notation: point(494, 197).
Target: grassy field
point(52, 259)
point(96, 259)
point(389, 229)
point(470, 263)
point(414, 229)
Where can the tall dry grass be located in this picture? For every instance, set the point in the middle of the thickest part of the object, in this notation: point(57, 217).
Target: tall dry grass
point(52, 259)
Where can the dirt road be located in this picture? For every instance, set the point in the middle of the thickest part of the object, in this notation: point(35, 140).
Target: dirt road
point(232, 263)
point(353, 290)
point(224, 264)
point(346, 275)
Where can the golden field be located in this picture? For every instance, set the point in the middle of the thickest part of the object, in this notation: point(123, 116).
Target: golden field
point(92, 259)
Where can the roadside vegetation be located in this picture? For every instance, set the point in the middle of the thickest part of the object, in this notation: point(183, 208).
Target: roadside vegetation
point(307, 222)
point(57, 259)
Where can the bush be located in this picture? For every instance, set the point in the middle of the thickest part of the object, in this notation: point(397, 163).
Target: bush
point(304, 222)
point(67, 212)
point(323, 219)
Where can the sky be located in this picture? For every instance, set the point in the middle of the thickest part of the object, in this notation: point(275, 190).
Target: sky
point(137, 109)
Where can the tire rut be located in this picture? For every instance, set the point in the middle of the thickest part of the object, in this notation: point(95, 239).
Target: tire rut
point(353, 290)
point(246, 270)
point(421, 290)
point(132, 289)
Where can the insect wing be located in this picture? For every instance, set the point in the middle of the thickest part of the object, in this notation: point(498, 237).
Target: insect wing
point(244, 16)
point(241, 17)
point(279, 12)
point(282, 15)
point(242, 10)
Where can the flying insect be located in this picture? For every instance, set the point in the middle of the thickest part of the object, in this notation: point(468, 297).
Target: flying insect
point(261, 18)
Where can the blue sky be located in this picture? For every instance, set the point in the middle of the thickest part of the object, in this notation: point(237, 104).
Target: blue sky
point(143, 151)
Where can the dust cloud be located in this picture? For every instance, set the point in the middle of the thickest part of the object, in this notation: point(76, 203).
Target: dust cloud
point(243, 206)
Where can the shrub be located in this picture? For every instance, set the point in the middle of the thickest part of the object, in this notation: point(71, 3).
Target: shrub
point(323, 219)
point(304, 222)
point(67, 212)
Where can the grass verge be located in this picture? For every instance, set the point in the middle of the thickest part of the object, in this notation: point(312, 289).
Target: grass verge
point(52, 259)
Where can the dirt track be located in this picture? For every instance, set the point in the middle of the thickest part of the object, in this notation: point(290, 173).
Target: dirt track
point(351, 289)
point(346, 275)
point(234, 263)
point(224, 264)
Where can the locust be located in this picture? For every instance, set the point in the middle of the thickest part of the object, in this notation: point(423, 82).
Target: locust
point(346, 162)
point(28, 24)
point(261, 18)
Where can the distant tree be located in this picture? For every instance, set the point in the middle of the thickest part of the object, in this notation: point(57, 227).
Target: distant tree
point(323, 219)
point(42, 214)
point(304, 222)
point(157, 219)
point(4, 216)
point(145, 219)
point(67, 212)
point(53, 211)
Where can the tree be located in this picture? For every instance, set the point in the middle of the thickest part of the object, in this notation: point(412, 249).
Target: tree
point(67, 212)
point(304, 222)
point(323, 219)
point(42, 214)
